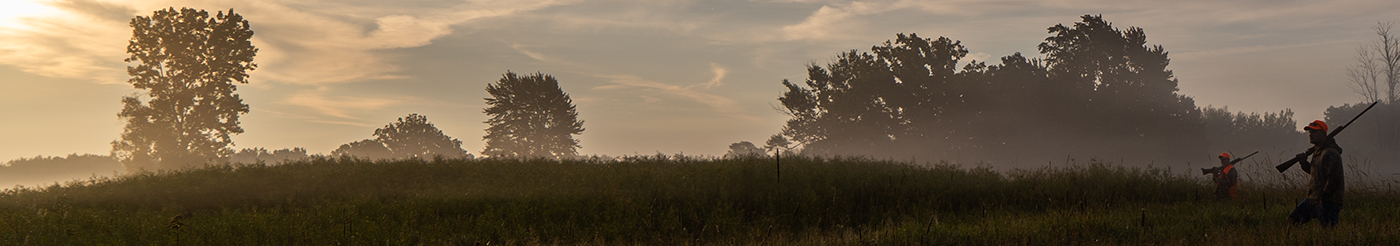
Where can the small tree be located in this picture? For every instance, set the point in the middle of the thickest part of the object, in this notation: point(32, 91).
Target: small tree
point(530, 117)
point(188, 63)
point(778, 143)
point(744, 149)
point(368, 149)
point(414, 136)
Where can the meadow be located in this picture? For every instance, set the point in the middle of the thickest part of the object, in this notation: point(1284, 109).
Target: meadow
point(675, 200)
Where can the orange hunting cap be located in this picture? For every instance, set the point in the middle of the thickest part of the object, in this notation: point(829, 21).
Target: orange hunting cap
point(1316, 125)
point(1225, 155)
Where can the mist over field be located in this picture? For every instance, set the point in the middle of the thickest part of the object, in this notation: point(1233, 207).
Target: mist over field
point(690, 122)
point(1086, 88)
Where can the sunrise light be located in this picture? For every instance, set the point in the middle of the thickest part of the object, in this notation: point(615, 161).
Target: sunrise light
point(14, 13)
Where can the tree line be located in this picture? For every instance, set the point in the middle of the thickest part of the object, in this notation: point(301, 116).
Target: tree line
point(1096, 91)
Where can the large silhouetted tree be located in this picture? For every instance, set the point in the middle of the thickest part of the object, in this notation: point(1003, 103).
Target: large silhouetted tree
point(897, 99)
point(1131, 95)
point(189, 64)
point(1121, 69)
point(840, 110)
point(530, 117)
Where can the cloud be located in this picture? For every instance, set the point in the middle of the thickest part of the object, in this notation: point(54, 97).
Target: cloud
point(301, 42)
point(533, 55)
point(718, 80)
point(46, 40)
point(837, 20)
point(978, 56)
point(337, 106)
point(656, 91)
point(316, 119)
point(402, 31)
point(819, 25)
point(314, 48)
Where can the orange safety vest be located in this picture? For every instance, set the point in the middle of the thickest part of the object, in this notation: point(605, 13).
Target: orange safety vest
point(1235, 188)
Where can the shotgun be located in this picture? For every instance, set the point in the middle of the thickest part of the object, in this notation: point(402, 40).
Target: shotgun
point(1291, 162)
point(1205, 171)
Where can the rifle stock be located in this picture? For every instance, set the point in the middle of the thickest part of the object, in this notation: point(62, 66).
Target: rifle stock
point(1295, 160)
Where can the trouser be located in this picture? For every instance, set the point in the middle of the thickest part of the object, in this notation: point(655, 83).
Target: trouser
point(1325, 212)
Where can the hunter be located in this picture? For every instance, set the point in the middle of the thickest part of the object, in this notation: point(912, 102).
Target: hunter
point(1326, 189)
point(1227, 181)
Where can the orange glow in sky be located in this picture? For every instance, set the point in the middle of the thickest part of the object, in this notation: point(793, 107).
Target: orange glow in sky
point(14, 12)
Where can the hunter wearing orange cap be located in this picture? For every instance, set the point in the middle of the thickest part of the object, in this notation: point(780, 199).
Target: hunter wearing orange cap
point(1226, 180)
point(1328, 185)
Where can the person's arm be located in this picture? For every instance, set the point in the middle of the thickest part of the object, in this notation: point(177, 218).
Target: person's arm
point(1303, 162)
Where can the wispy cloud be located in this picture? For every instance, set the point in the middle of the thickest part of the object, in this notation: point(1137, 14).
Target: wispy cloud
point(719, 72)
point(836, 20)
point(67, 39)
point(316, 48)
point(820, 25)
point(318, 119)
point(533, 55)
point(298, 41)
point(337, 106)
point(657, 91)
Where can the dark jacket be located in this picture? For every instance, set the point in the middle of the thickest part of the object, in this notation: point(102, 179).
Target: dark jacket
point(1328, 180)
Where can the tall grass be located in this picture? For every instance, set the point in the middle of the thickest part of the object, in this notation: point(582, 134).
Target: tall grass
point(656, 200)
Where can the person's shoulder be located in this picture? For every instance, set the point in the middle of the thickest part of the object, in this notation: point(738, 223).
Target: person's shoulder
point(1332, 150)
point(1332, 154)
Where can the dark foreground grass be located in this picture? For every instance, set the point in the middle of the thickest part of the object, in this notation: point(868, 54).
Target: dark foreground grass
point(661, 200)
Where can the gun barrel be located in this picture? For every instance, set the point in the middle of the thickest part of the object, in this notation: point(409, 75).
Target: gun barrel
point(1245, 157)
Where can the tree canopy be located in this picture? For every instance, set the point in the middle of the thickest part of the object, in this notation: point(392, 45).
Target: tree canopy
point(530, 117)
point(744, 149)
point(188, 63)
point(1097, 91)
point(409, 137)
point(413, 136)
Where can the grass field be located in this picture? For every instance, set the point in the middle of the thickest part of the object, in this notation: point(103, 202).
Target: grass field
point(668, 200)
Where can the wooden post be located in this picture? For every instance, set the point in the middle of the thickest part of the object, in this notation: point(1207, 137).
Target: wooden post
point(1143, 222)
point(778, 163)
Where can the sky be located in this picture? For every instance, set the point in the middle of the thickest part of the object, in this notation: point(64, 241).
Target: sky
point(647, 76)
